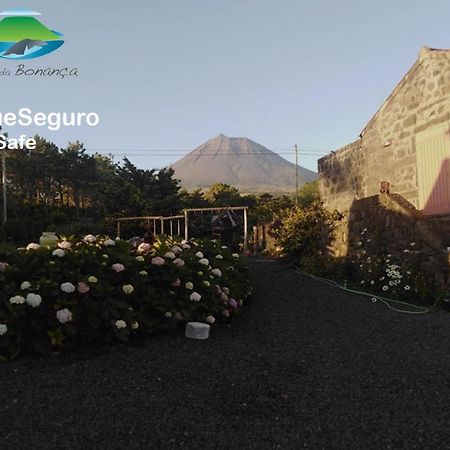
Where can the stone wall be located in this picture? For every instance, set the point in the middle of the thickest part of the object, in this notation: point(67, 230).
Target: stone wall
point(386, 149)
point(395, 224)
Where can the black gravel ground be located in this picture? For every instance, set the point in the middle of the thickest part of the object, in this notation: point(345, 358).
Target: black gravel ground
point(305, 366)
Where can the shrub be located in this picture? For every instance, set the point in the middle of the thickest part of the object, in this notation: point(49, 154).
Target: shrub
point(96, 289)
point(303, 233)
point(397, 276)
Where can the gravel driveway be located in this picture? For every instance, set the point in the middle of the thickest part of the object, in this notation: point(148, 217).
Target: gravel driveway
point(306, 366)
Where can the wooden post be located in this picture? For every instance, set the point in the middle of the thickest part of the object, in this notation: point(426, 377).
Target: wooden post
point(171, 227)
point(118, 229)
point(296, 174)
point(154, 227)
point(186, 226)
point(4, 185)
point(162, 226)
point(179, 228)
point(245, 230)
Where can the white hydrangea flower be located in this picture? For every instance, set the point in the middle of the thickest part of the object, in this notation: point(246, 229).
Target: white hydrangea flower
point(140, 258)
point(59, 252)
point(186, 246)
point(168, 314)
point(195, 297)
point(199, 255)
point(3, 329)
point(34, 300)
point(25, 285)
point(67, 287)
point(189, 285)
point(204, 262)
point(219, 257)
point(64, 315)
point(143, 272)
point(127, 289)
point(210, 319)
point(17, 299)
point(207, 283)
point(33, 246)
point(176, 249)
point(89, 238)
point(170, 255)
point(134, 325)
point(120, 324)
point(235, 255)
point(92, 279)
point(109, 243)
point(216, 272)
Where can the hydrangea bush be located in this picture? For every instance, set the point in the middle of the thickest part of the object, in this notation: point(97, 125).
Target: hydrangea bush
point(98, 289)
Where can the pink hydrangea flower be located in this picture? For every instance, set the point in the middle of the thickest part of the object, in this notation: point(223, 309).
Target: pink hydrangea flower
point(117, 267)
point(83, 288)
point(64, 315)
point(158, 261)
point(178, 262)
point(233, 303)
point(145, 247)
point(3, 266)
point(176, 283)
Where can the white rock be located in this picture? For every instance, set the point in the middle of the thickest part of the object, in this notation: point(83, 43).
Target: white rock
point(197, 330)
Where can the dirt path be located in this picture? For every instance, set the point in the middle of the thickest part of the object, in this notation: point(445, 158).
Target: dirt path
point(306, 366)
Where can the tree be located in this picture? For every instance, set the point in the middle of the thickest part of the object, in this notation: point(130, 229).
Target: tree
point(308, 194)
point(194, 199)
point(220, 194)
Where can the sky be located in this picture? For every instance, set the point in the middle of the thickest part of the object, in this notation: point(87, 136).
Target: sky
point(167, 75)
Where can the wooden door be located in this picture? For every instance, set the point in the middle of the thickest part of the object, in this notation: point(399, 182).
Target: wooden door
point(433, 169)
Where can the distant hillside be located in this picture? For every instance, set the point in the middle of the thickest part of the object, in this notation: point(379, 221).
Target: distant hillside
point(239, 162)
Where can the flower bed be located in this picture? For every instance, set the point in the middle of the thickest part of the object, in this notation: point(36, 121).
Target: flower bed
point(98, 289)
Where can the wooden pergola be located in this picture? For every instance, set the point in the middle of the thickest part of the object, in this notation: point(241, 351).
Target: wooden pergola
point(157, 221)
point(160, 221)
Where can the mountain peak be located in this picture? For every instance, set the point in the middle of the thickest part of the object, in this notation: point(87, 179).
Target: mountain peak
point(240, 162)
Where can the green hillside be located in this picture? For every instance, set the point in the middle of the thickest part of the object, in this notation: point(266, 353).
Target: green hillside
point(14, 29)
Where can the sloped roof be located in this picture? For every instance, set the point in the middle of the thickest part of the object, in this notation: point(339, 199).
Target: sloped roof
point(425, 52)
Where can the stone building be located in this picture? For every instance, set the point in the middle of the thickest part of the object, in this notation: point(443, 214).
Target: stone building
point(395, 178)
point(406, 143)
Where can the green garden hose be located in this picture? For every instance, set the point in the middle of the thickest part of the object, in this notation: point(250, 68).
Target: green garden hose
point(387, 301)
